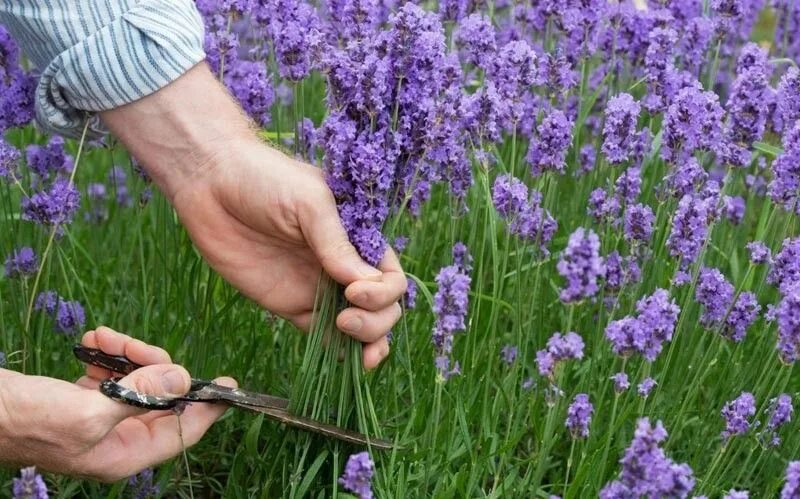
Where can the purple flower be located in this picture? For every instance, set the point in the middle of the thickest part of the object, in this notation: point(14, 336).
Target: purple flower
point(548, 149)
point(22, 262)
point(646, 469)
point(621, 116)
point(46, 301)
point(659, 70)
point(50, 158)
point(743, 313)
point(523, 212)
point(17, 100)
point(646, 333)
point(588, 156)
point(476, 39)
point(357, 476)
point(70, 317)
point(715, 294)
point(733, 207)
point(628, 186)
point(142, 485)
point(514, 71)
point(686, 178)
point(293, 27)
point(638, 223)
point(759, 252)
point(748, 109)
point(29, 485)
point(556, 73)
point(410, 296)
point(581, 265)
point(791, 489)
point(689, 229)
point(55, 206)
point(692, 122)
point(787, 314)
point(787, 98)
point(509, 354)
point(620, 272)
point(450, 306)
point(579, 416)
point(785, 269)
point(621, 383)
point(737, 494)
point(736, 414)
point(9, 160)
point(784, 187)
point(559, 348)
point(251, 86)
point(780, 413)
point(645, 387)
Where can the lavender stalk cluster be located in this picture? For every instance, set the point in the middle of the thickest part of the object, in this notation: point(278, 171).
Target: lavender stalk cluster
point(21, 263)
point(581, 265)
point(716, 295)
point(791, 489)
point(357, 476)
point(68, 316)
point(17, 86)
point(579, 416)
point(737, 414)
point(645, 333)
point(646, 469)
point(450, 307)
point(560, 348)
point(29, 485)
point(523, 212)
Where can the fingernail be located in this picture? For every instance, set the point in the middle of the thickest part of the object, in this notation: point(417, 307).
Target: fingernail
point(173, 382)
point(353, 325)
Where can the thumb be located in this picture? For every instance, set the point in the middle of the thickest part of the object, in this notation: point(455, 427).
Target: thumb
point(328, 240)
point(162, 380)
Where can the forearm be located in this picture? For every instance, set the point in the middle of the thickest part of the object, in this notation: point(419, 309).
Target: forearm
point(181, 129)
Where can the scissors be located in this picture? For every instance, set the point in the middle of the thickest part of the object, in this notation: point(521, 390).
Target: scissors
point(276, 408)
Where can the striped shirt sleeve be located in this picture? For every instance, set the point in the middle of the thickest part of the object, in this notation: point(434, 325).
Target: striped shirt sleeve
point(96, 55)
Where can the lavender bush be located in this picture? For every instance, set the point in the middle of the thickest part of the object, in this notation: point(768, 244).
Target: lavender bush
point(596, 204)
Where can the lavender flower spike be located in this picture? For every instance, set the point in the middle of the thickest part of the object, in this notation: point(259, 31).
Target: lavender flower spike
point(579, 416)
point(646, 469)
point(621, 383)
point(791, 489)
point(646, 386)
point(357, 477)
point(450, 307)
point(581, 265)
point(30, 485)
point(622, 113)
point(736, 414)
point(548, 149)
point(21, 263)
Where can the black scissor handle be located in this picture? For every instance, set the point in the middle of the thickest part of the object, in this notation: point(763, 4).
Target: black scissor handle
point(95, 357)
point(113, 390)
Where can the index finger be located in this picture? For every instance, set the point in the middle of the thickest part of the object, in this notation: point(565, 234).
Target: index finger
point(114, 343)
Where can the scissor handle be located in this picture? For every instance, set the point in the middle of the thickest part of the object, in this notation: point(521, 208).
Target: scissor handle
point(113, 390)
point(96, 357)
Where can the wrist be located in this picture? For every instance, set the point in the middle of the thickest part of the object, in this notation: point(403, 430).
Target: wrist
point(181, 131)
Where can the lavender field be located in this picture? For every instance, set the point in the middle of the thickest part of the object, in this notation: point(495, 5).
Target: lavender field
point(595, 203)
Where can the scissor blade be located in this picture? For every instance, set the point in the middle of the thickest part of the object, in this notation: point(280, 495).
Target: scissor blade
point(212, 392)
point(325, 429)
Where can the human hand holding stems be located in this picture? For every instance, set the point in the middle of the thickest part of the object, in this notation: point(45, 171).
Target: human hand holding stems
point(266, 222)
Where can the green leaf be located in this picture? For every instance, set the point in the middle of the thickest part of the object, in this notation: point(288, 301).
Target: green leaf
point(768, 149)
point(251, 438)
point(311, 474)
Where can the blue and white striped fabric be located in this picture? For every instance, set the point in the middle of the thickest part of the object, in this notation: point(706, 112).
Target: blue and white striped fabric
point(96, 55)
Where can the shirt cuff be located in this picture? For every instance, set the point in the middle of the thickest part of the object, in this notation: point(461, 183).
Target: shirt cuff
point(147, 46)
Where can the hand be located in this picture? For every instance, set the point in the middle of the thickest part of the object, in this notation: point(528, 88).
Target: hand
point(267, 223)
point(74, 429)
